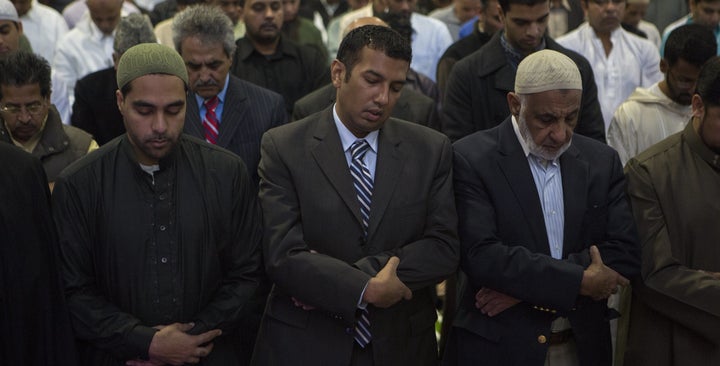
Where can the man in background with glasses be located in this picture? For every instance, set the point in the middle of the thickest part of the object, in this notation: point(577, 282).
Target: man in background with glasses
point(30, 121)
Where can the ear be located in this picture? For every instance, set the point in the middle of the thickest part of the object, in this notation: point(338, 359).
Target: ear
point(698, 107)
point(664, 66)
point(501, 13)
point(120, 100)
point(513, 101)
point(337, 73)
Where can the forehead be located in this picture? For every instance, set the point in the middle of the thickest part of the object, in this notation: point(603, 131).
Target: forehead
point(250, 3)
point(528, 12)
point(391, 68)
point(20, 92)
point(553, 101)
point(197, 47)
point(7, 24)
point(156, 88)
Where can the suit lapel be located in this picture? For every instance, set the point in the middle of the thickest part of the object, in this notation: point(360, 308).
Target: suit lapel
point(575, 180)
point(328, 153)
point(390, 162)
point(234, 110)
point(193, 124)
point(516, 170)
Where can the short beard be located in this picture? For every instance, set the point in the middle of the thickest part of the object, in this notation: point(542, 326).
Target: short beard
point(536, 149)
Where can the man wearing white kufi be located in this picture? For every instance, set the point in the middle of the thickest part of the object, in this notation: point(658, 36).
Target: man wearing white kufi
point(540, 258)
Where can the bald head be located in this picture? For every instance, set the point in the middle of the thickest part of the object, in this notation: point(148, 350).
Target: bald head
point(105, 14)
point(357, 23)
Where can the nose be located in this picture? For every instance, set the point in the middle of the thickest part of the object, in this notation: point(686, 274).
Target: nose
point(382, 97)
point(159, 124)
point(269, 12)
point(534, 30)
point(405, 6)
point(24, 116)
point(559, 132)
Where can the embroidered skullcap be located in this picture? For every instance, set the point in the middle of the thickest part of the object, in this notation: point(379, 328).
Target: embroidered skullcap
point(8, 11)
point(546, 70)
point(630, 2)
point(149, 58)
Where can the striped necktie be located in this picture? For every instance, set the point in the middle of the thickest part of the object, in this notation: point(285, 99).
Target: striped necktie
point(363, 182)
point(210, 123)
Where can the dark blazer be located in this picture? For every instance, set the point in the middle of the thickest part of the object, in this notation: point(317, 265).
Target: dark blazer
point(411, 106)
point(95, 108)
point(248, 112)
point(309, 203)
point(476, 92)
point(504, 247)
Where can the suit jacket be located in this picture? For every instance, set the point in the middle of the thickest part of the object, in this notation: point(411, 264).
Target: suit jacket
point(475, 96)
point(309, 203)
point(95, 108)
point(411, 106)
point(504, 247)
point(248, 112)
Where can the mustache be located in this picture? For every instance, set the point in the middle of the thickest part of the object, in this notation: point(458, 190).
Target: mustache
point(200, 83)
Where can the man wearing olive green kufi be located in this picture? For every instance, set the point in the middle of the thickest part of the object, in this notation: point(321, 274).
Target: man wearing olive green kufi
point(159, 231)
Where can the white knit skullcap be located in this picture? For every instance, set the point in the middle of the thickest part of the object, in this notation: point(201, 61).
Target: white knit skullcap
point(8, 12)
point(546, 70)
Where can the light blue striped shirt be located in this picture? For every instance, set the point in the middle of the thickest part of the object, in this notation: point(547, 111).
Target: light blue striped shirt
point(548, 181)
point(347, 138)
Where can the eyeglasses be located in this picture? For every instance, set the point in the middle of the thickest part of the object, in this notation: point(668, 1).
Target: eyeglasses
point(33, 108)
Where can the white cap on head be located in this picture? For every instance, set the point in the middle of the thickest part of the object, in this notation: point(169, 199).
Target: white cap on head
point(8, 11)
point(546, 70)
point(638, 2)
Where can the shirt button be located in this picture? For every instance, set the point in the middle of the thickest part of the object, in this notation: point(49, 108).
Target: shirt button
point(162, 228)
point(162, 197)
point(163, 259)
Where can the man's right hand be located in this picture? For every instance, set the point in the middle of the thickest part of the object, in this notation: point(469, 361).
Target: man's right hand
point(172, 345)
point(600, 281)
point(386, 289)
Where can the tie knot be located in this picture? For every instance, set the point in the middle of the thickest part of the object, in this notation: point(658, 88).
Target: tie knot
point(212, 103)
point(358, 149)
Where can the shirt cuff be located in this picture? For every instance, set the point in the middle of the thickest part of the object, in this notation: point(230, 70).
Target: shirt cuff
point(139, 341)
point(362, 304)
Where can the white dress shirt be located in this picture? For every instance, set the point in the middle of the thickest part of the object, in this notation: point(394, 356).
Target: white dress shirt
point(645, 119)
point(633, 62)
point(83, 50)
point(43, 26)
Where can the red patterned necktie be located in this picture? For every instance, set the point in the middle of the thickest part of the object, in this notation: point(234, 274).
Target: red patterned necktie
point(210, 123)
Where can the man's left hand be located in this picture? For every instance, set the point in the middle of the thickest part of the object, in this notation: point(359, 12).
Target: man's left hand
point(491, 302)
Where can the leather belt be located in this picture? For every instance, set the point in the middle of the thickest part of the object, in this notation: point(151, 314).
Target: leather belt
point(560, 337)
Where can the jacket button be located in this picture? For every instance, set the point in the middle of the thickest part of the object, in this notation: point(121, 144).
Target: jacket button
point(542, 339)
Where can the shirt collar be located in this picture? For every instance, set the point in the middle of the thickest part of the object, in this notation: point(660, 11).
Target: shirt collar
point(516, 128)
point(347, 138)
point(245, 48)
point(514, 56)
point(699, 147)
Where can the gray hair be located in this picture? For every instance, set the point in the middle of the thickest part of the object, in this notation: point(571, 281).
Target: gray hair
point(209, 23)
point(131, 31)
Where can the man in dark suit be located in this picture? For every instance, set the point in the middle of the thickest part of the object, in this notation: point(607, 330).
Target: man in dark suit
point(360, 221)
point(228, 112)
point(240, 112)
point(476, 89)
point(546, 232)
point(411, 106)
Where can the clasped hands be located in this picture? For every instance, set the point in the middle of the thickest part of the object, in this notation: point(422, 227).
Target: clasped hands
point(599, 282)
point(172, 345)
point(382, 291)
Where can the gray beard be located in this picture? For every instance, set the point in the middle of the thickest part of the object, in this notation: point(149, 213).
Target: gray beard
point(534, 148)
